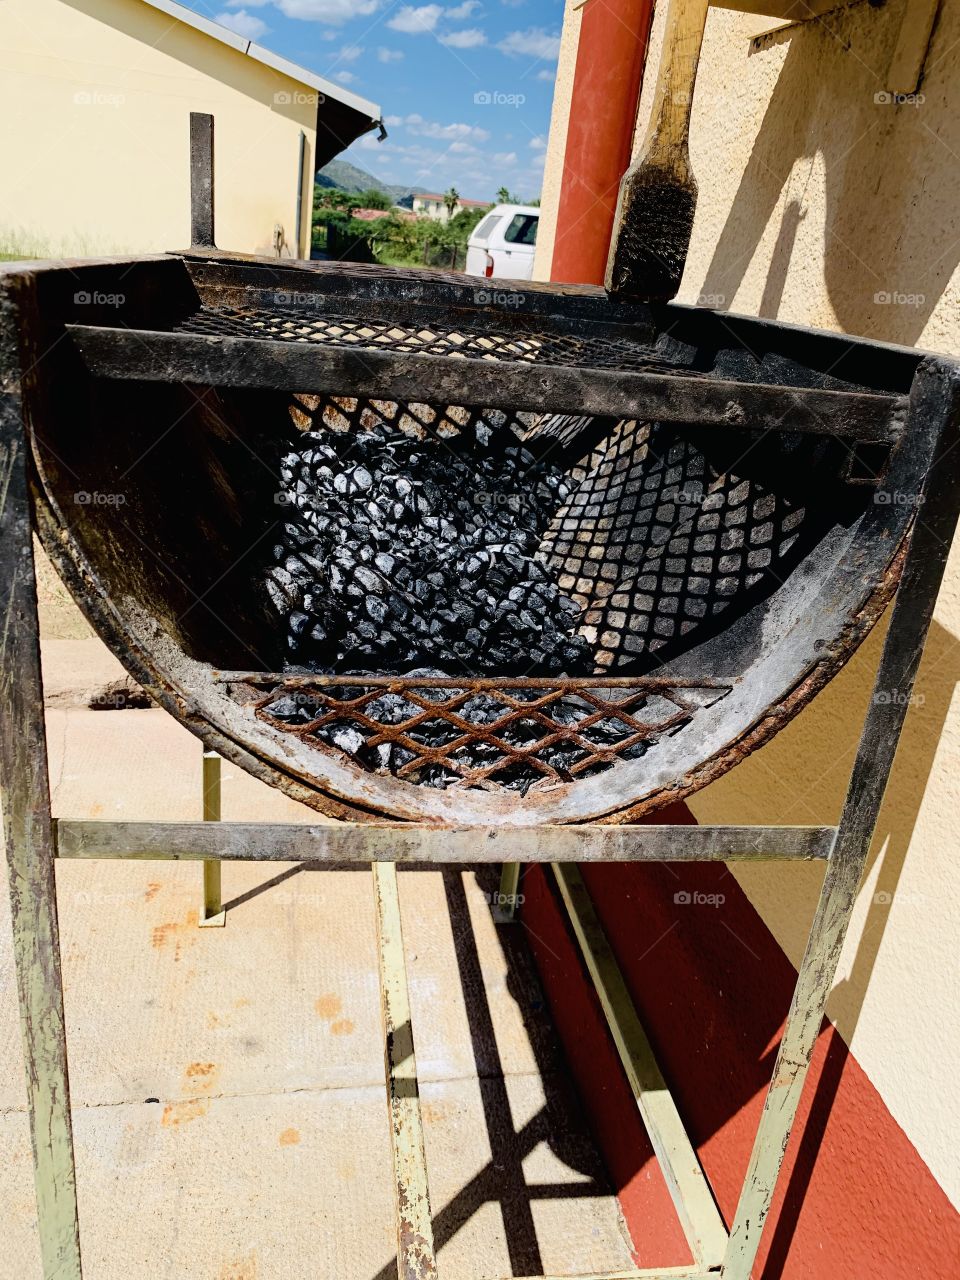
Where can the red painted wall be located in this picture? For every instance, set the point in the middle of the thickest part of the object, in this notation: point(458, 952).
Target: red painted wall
point(712, 987)
point(603, 111)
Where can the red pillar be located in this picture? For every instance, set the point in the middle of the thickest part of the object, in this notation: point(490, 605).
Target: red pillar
point(603, 112)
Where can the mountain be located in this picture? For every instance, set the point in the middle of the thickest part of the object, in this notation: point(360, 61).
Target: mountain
point(348, 177)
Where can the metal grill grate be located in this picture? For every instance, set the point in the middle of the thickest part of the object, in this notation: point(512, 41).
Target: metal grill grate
point(519, 340)
point(494, 733)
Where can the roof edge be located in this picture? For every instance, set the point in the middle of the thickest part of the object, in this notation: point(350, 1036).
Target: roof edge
point(267, 57)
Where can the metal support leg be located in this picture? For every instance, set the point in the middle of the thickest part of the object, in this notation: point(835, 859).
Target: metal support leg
point(935, 457)
point(28, 837)
point(415, 1252)
point(505, 906)
point(213, 914)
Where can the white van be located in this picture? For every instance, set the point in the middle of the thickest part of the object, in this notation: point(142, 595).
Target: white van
point(503, 243)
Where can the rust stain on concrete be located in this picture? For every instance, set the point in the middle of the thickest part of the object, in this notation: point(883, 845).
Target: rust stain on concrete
point(328, 1006)
point(175, 931)
point(177, 1113)
point(202, 1075)
point(153, 888)
point(290, 1138)
point(240, 1269)
point(342, 1027)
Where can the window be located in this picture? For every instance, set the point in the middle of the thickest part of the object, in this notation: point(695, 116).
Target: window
point(522, 229)
point(482, 232)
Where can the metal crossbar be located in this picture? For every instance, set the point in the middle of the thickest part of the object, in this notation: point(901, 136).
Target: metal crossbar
point(33, 840)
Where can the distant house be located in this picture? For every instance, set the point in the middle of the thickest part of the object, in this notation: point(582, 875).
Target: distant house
point(96, 97)
point(430, 205)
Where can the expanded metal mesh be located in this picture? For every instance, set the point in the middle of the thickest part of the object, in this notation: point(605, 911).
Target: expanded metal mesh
point(498, 734)
point(487, 337)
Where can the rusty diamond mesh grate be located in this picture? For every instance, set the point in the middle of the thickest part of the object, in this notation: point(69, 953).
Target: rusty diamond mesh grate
point(519, 339)
point(493, 733)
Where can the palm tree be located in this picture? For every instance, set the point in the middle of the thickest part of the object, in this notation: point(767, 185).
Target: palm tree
point(451, 199)
point(503, 196)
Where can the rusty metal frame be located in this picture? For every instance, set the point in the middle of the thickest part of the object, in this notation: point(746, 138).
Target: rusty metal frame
point(34, 839)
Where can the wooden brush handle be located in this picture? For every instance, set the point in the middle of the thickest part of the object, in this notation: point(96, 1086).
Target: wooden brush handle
point(666, 141)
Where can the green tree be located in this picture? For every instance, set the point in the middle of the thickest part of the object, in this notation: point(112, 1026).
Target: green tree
point(503, 196)
point(451, 199)
point(372, 198)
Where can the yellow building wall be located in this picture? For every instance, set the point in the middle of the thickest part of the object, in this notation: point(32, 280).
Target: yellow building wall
point(819, 201)
point(95, 99)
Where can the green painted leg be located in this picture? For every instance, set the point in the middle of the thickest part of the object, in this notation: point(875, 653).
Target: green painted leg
point(937, 469)
point(507, 899)
point(213, 915)
point(29, 841)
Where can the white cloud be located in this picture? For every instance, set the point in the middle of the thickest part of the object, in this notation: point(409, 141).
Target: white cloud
point(392, 121)
point(335, 11)
point(505, 157)
point(448, 132)
point(416, 19)
point(389, 55)
point(462, 149)
point(345, 77)
point(349, 53)
point(535, 43)
point(471, 38)
point(463, 10)
point(539, 143)
point(243, 23)
point(546, 74)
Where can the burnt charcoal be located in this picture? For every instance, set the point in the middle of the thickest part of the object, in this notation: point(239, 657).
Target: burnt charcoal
point(405, 553)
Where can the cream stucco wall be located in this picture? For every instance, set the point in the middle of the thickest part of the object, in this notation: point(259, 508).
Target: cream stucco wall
point(814, 199)
point(95, 100)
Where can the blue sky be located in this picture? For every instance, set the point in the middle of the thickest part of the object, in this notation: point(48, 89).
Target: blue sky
point(465, 87)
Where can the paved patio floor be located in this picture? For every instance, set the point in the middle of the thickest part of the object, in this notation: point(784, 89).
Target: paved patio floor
point(229, 1106)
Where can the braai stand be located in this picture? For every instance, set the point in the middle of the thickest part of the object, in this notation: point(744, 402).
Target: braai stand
point(34, 839)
